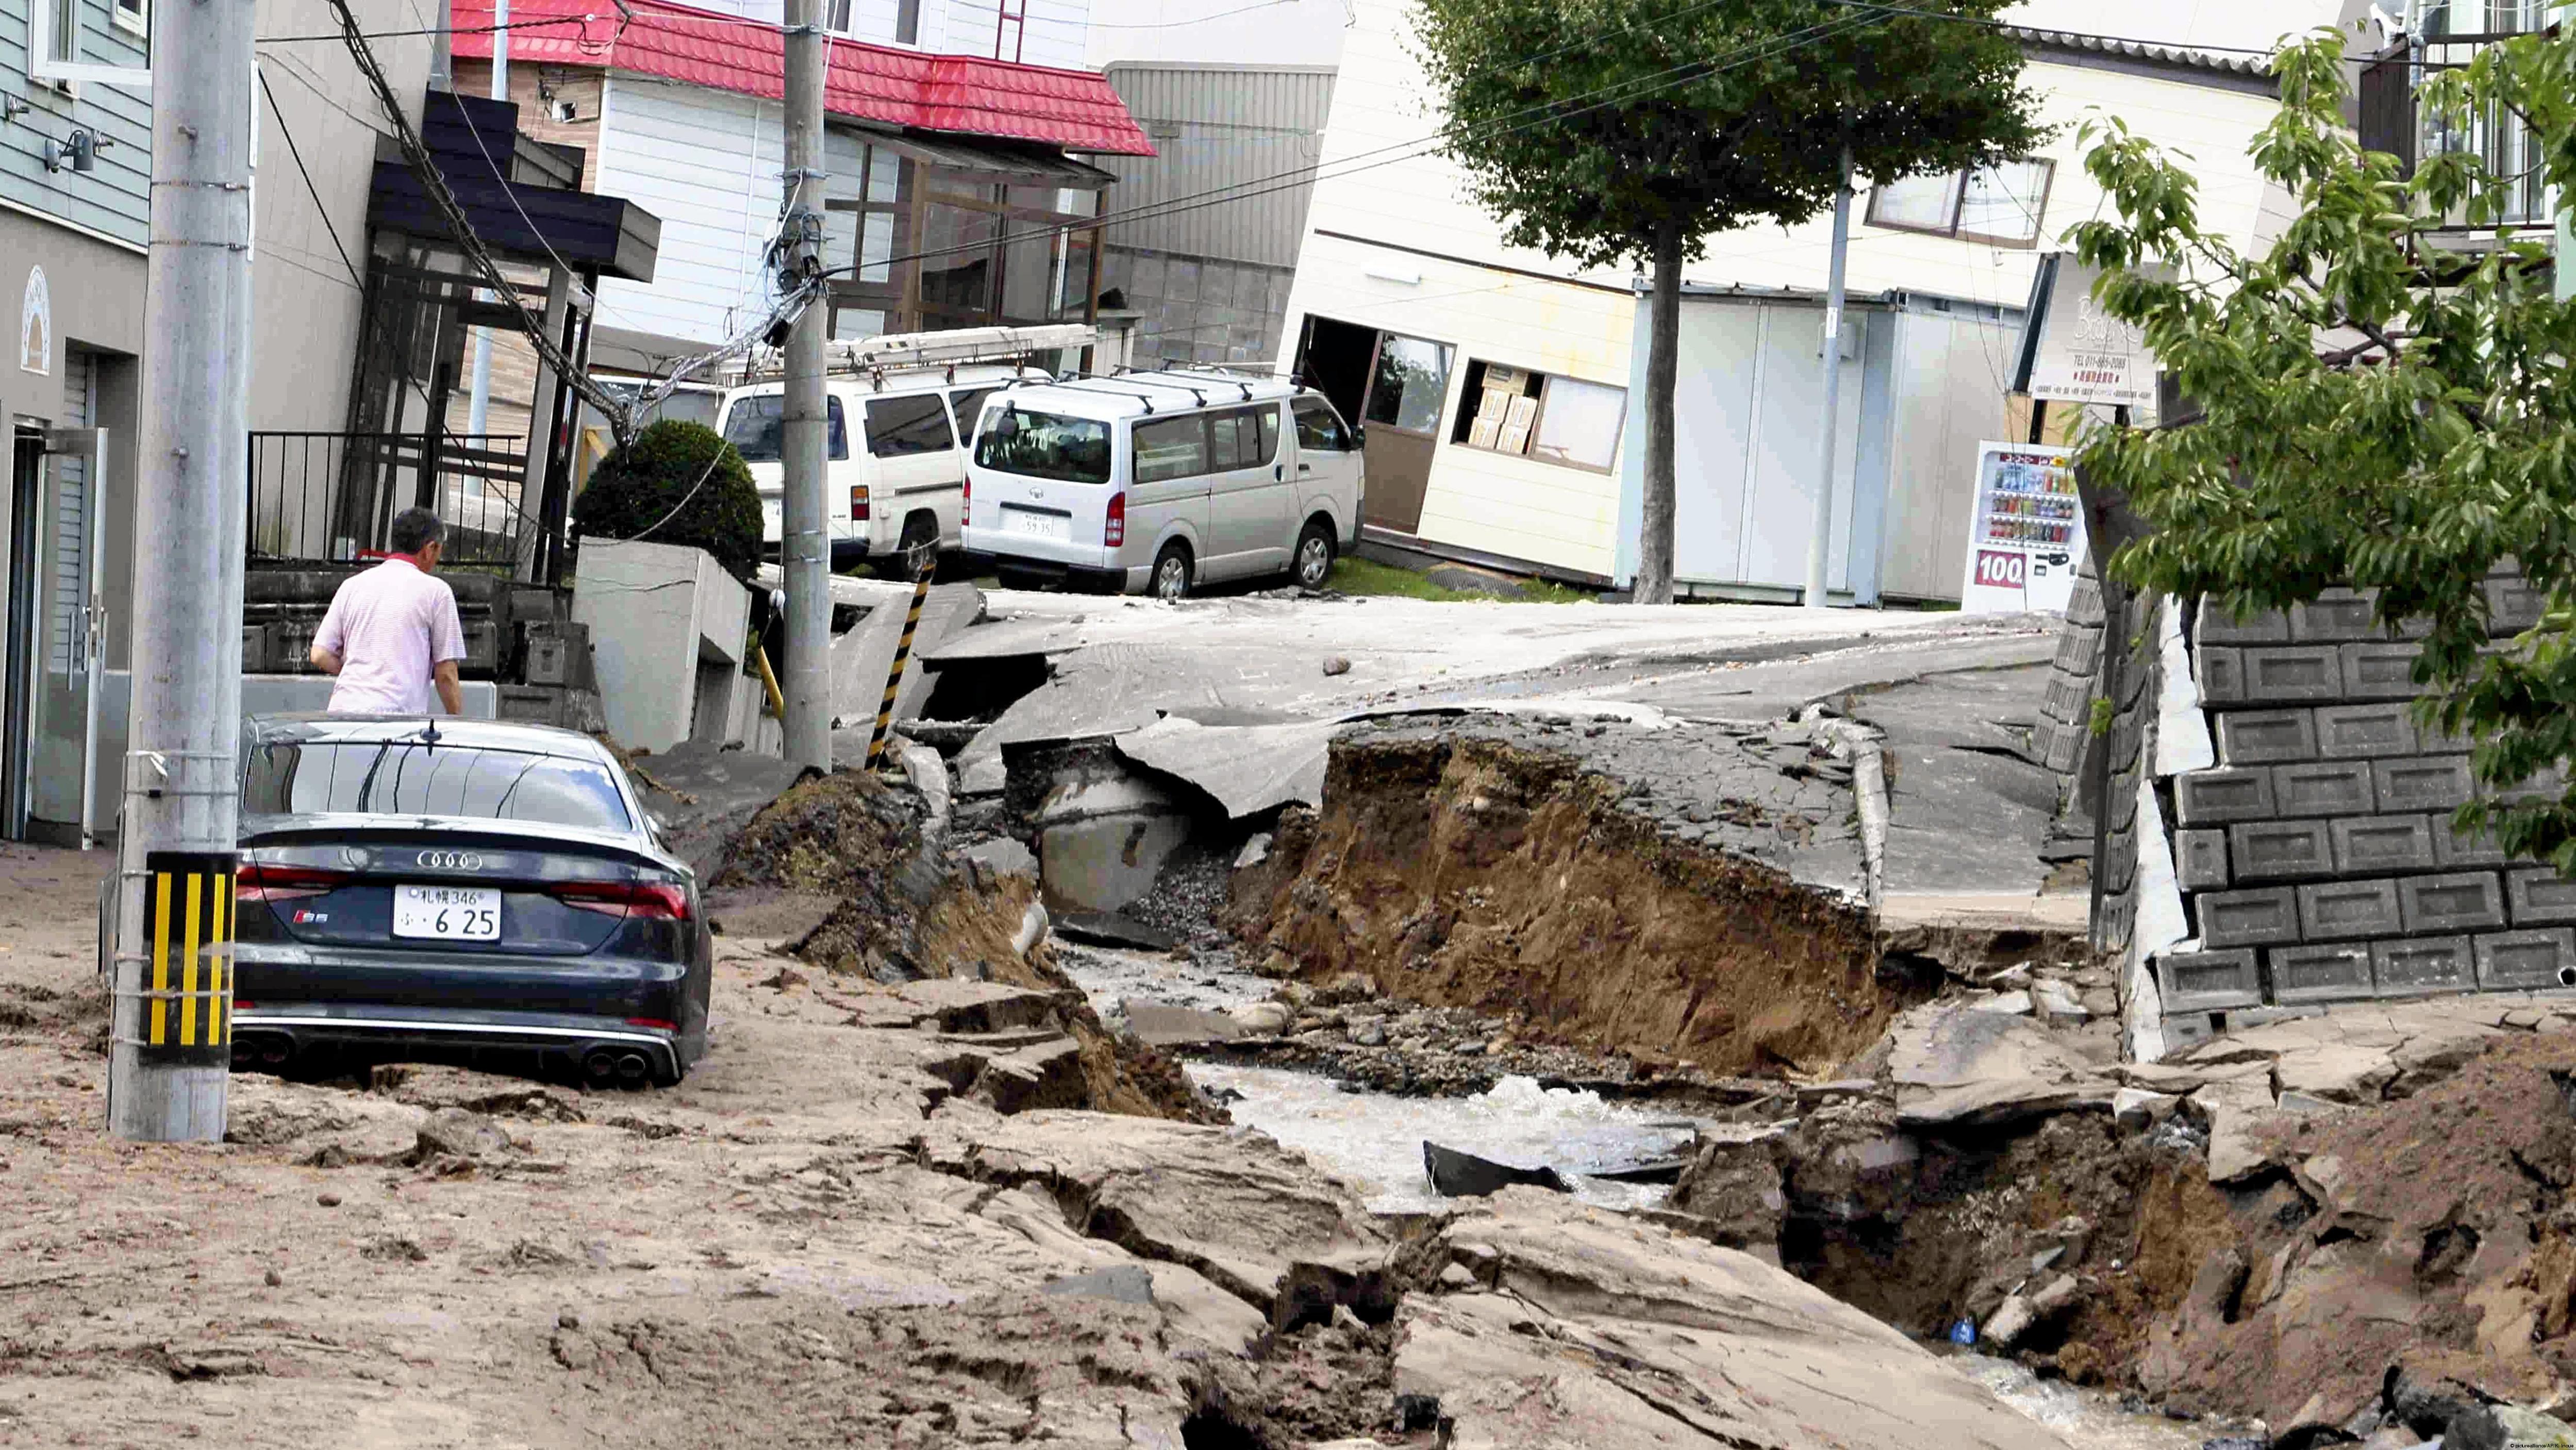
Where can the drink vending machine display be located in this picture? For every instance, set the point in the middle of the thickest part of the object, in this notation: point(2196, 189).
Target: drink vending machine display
point(2026, 537)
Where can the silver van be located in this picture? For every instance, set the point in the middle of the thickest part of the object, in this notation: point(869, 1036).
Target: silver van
point(895, 473)
point(1162, 482)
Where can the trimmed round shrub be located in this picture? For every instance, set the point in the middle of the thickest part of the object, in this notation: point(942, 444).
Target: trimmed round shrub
point(637, 487)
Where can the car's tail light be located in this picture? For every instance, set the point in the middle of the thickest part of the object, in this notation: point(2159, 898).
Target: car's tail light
point(653, 900)
point(859, 502)
point(1113, 532)
point(662, 1024)
point(260, 881)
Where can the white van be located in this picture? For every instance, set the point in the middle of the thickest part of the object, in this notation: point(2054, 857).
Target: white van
point(1162, 482)
point(897, 476)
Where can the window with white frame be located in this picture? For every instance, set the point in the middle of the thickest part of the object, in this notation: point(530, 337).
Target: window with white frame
point(1540, 415)
point(836, 16)
point(1997, 204)
point(63, 39)
point(134, 15)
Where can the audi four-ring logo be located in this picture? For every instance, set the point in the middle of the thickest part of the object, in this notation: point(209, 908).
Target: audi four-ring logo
point(451, 860)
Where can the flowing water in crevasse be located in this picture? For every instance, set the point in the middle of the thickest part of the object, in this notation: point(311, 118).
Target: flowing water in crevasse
point(1373, 1141)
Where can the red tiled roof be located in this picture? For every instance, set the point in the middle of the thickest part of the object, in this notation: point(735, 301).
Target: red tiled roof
point(959, 94)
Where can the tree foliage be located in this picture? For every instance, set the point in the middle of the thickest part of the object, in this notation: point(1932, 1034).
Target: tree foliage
point(1632, 130)
point(1588, 124)
point(677, 483)
point(2387, 405)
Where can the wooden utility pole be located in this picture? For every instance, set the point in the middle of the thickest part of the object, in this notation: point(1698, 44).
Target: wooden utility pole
point(170, 1045)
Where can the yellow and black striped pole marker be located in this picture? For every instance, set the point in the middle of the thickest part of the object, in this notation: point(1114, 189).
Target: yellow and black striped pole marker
point(188, 921)
point(924, 558)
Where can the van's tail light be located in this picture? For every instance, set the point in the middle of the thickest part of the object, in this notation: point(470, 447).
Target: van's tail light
point(258, 881)
point(1114, 532)
point(966, 495)
point(859, 502)
point(654, 900)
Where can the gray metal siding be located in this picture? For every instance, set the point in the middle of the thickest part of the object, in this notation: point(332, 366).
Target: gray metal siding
point(116, 198)
point(1217, 128)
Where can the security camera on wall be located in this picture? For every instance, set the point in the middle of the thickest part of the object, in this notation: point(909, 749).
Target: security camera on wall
point(561, 112)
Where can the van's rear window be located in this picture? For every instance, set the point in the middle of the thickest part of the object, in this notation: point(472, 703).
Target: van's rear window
point(757, 428)
point(1047, 445)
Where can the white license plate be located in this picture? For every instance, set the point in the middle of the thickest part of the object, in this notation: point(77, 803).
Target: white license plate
point(448, 913)
point(1037, 525)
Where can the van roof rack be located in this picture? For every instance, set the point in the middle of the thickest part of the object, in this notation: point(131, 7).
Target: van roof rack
point(875, 357)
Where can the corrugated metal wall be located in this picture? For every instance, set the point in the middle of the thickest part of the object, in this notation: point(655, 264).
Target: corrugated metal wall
point(1217, 127)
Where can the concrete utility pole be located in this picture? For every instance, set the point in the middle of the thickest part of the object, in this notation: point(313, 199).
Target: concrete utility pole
point(478, 416)
point(171, 1040)
point(1820, 545)
point(807, 555)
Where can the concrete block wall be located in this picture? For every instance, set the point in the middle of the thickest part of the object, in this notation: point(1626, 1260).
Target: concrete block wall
point(2317, 857)
point(2066, 711)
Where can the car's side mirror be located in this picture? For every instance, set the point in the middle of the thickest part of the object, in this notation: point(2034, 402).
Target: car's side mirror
point(1359, 435)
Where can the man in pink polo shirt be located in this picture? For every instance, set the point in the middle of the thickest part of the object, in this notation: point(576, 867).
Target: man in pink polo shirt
point(392, 634)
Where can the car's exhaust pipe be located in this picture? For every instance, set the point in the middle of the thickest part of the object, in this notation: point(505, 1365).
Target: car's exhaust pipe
point(633, 1067)
point(270, 1050)
point(599, 1066)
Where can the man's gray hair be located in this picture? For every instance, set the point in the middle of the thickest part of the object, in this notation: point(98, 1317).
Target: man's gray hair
point(414, 530)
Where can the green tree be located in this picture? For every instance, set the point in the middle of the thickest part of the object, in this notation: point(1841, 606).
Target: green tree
point(677, 483)
point(1632, 130)
point(2385, 406)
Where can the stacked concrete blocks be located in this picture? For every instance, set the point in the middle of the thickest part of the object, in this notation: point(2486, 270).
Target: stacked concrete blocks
point(2318, 859)
point(2066, 711)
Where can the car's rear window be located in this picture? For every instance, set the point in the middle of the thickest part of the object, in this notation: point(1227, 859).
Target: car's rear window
point(1047, 445)
point(416, 778)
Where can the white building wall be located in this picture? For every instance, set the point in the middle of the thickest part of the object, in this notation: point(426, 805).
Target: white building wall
point(1379, 184)
point(1284, 33)
point(708, 164)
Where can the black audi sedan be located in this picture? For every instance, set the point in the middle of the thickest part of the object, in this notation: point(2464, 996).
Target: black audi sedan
point(444, 890)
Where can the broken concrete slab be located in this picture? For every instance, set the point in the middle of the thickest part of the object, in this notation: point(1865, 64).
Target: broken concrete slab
point(1996, 1101)
point(1603, 1331)
point(862, 658)
point(1114, 929)
point(1951, 1044)
point(928, 773)
point(1160, 1024)
point(1247, 769)
point(2236, 1112)
point(1119, 1283)
point(1003, 856)
point(1230, 1204)
point(1104, 836)
point(1189, 1302)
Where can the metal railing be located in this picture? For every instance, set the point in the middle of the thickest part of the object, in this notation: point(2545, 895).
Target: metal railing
point(331, 497)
